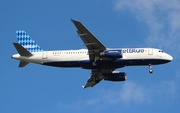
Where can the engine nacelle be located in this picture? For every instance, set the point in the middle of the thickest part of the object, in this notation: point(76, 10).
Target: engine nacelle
point(117, 76)
point(111, 53)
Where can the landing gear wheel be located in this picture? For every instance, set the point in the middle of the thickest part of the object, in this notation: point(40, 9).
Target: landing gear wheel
point(150, 68)
point(150, 71)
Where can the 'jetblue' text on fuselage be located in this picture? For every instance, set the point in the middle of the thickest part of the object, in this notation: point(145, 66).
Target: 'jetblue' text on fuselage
point(133, 50)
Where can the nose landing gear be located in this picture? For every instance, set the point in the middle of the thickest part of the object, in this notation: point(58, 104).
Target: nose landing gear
point(150, 68)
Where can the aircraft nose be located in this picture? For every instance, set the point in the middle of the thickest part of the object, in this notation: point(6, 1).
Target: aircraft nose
point(169, 57)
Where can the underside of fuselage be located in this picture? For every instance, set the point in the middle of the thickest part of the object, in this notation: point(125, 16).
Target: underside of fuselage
point(106, 64)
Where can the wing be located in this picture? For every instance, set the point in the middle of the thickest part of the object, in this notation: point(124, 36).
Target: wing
point(94, 48)
point(90, 41)
point(96, 77)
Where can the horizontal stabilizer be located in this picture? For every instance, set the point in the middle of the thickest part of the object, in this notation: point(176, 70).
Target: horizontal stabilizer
point(21, 50)
point(23, 63)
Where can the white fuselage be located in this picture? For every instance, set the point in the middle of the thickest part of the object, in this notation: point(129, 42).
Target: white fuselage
point(64, 58)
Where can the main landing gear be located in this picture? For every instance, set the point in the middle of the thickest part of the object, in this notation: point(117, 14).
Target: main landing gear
point(94, 63)
point(95, 59)
point(150, 68)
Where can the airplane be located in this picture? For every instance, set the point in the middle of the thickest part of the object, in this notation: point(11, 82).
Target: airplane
point(102, 61)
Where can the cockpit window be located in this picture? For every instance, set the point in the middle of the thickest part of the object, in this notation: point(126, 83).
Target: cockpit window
point(161, 51)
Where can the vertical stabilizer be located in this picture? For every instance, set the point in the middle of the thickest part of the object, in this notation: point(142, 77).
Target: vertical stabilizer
point(27, 42)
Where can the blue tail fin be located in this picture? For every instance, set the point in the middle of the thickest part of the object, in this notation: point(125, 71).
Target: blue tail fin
point(27, 42)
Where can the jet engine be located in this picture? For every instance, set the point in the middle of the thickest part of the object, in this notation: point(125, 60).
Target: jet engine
point(111, 53)
point(115, 76)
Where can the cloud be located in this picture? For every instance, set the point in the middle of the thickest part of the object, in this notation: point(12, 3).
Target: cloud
point(128, 94)
point(161, 17)
point(133, 92)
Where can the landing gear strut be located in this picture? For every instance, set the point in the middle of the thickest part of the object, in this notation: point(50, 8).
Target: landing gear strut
point(95, 59)
point(94, 63)
point(150, 68)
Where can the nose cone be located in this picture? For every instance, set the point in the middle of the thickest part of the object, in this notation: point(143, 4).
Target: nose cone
point(169, 57)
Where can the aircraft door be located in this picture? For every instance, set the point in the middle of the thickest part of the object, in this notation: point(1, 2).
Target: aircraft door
point(150, 51)
point(44, 55)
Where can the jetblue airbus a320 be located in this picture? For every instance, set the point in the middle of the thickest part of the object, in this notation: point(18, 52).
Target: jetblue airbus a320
point(102, 61)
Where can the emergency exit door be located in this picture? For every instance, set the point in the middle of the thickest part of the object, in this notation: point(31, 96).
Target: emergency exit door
point(44, 55)
point(150, 51)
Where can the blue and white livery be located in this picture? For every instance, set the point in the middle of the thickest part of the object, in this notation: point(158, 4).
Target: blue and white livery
point(25, 40)
point(102, 61)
